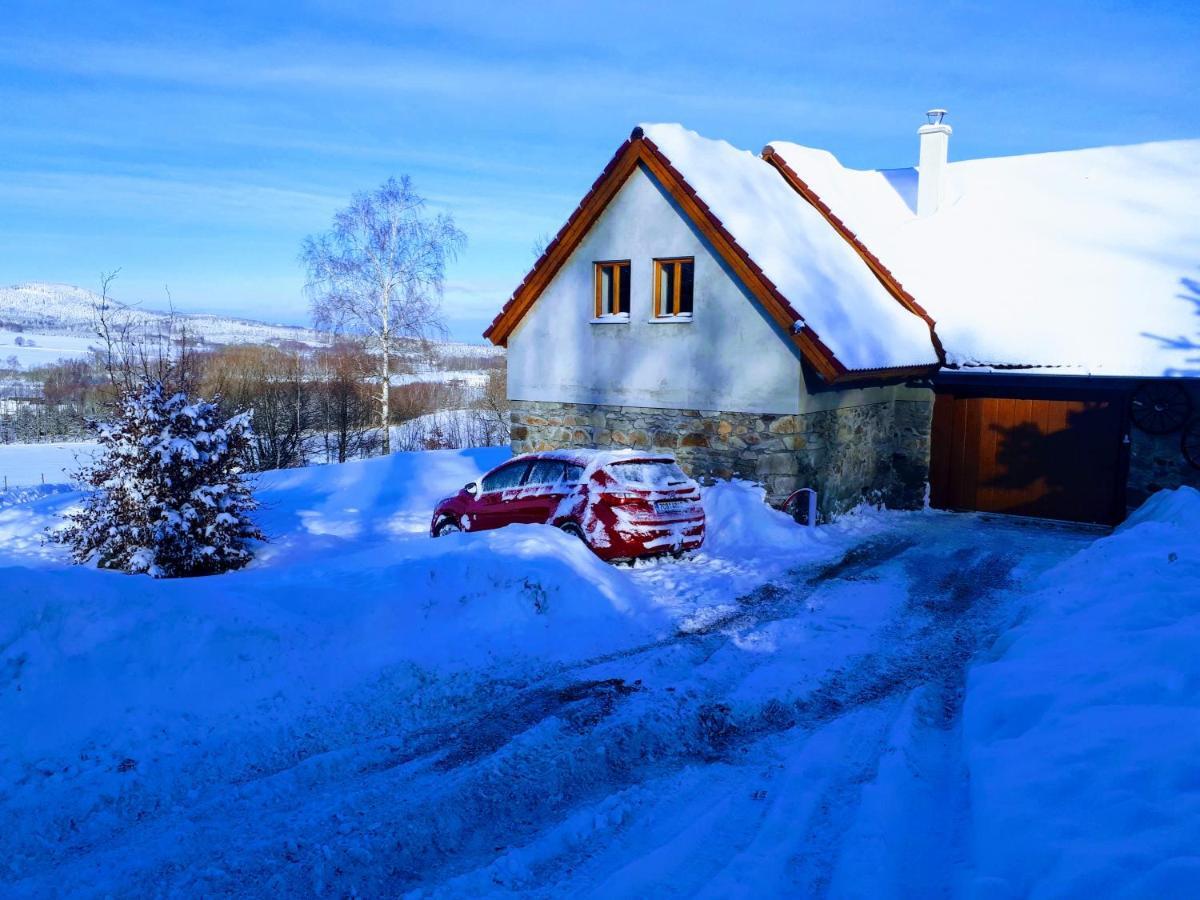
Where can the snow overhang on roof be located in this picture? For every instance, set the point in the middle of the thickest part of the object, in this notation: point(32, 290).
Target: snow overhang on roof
point(843, 311)
point(1083, 262)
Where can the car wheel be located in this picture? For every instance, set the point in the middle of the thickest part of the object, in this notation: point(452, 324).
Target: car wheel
point(574, 530)
point(446, 526)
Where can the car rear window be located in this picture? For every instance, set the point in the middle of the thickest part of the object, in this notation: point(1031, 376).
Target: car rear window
point(649, 474)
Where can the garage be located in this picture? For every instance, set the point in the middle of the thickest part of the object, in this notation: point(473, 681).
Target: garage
point(1030, 451)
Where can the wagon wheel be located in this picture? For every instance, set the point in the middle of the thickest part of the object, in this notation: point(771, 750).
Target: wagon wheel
point(1160, 407)
point(1191, 443)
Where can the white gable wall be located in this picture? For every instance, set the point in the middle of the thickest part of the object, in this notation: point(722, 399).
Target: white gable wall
point(729, 357)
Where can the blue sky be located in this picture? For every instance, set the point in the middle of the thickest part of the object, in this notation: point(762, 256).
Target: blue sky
point(195, 144)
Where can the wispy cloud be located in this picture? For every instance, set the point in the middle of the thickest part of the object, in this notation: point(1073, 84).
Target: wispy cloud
point(194, 146)
point(346, 68)
point(164, 199)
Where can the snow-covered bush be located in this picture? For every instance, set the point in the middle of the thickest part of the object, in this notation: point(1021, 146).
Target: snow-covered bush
point(167, 494)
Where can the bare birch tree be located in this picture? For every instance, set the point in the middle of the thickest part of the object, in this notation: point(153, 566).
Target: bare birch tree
point(379, 272)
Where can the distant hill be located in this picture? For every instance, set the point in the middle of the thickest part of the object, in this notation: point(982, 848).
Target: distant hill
point(42, 322)
point(62, 309)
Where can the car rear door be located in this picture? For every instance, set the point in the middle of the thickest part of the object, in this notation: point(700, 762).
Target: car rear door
point(496, 504)
point(548, 482)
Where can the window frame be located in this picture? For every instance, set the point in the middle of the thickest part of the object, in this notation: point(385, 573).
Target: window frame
point(616, 265)
point(676, 301)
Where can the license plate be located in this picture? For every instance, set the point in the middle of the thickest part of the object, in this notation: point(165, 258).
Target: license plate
point(672, 505)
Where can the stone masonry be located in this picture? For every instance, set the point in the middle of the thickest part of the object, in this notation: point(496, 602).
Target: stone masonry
point(876, 453)
point(1156, 461)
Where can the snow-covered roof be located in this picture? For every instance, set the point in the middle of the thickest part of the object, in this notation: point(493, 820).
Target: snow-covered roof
point(815, 268)
point(1077, 262)
point(1083, 262)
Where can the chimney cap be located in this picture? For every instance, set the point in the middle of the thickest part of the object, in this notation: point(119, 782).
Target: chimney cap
point(936, 116)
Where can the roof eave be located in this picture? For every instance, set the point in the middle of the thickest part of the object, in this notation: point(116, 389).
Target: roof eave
point(891, 373)
point(775, 159)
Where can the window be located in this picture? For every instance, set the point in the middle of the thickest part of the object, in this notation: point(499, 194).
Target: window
point(507, 477)
point(612, 289)
point(673, 281)
point(653, 474)
point(554, 471)
point(545, 471)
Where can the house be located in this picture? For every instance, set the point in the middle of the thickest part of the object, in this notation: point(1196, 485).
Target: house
point(1017, 334)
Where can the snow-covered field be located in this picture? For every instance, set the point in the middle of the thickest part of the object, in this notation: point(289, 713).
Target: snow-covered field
point(902, 704)
point(43, 349)
point(1082, 725)
point(467, 378)
point(22, 465)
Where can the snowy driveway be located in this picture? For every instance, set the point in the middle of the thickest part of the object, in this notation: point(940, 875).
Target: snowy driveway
point(762, 753)
point(801, 738)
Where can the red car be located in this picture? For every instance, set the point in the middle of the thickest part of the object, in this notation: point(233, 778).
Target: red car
point(622, 504)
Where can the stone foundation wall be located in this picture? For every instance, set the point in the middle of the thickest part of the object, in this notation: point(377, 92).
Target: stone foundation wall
point(1156, 461)
point(877, 452)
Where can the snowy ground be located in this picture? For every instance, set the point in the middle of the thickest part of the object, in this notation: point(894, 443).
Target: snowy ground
point(35, 349)
point(473, 378)
point(22, 465)
point(903, 704)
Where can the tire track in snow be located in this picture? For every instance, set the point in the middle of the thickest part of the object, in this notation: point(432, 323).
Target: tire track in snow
point(956, 598)
point(714, 732)
point(959, 594)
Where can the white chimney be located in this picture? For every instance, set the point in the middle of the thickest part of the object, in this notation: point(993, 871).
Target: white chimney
point(931, 170)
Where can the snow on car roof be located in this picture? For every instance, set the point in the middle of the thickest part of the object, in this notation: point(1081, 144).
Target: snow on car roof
point(1075, 262)
point(600, 458)
point(592, 460)
point(808, 261)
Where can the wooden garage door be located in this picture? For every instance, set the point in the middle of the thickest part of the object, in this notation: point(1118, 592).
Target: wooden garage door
point(1054, 458)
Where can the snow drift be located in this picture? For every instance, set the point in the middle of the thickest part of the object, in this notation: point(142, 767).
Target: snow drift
point(1083, 732)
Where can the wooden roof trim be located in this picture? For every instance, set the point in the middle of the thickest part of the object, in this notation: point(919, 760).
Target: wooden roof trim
point(560, 248)
point(774, 158)
point(888, 374)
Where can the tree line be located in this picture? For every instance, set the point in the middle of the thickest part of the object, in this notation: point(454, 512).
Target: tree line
point(310, 405)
